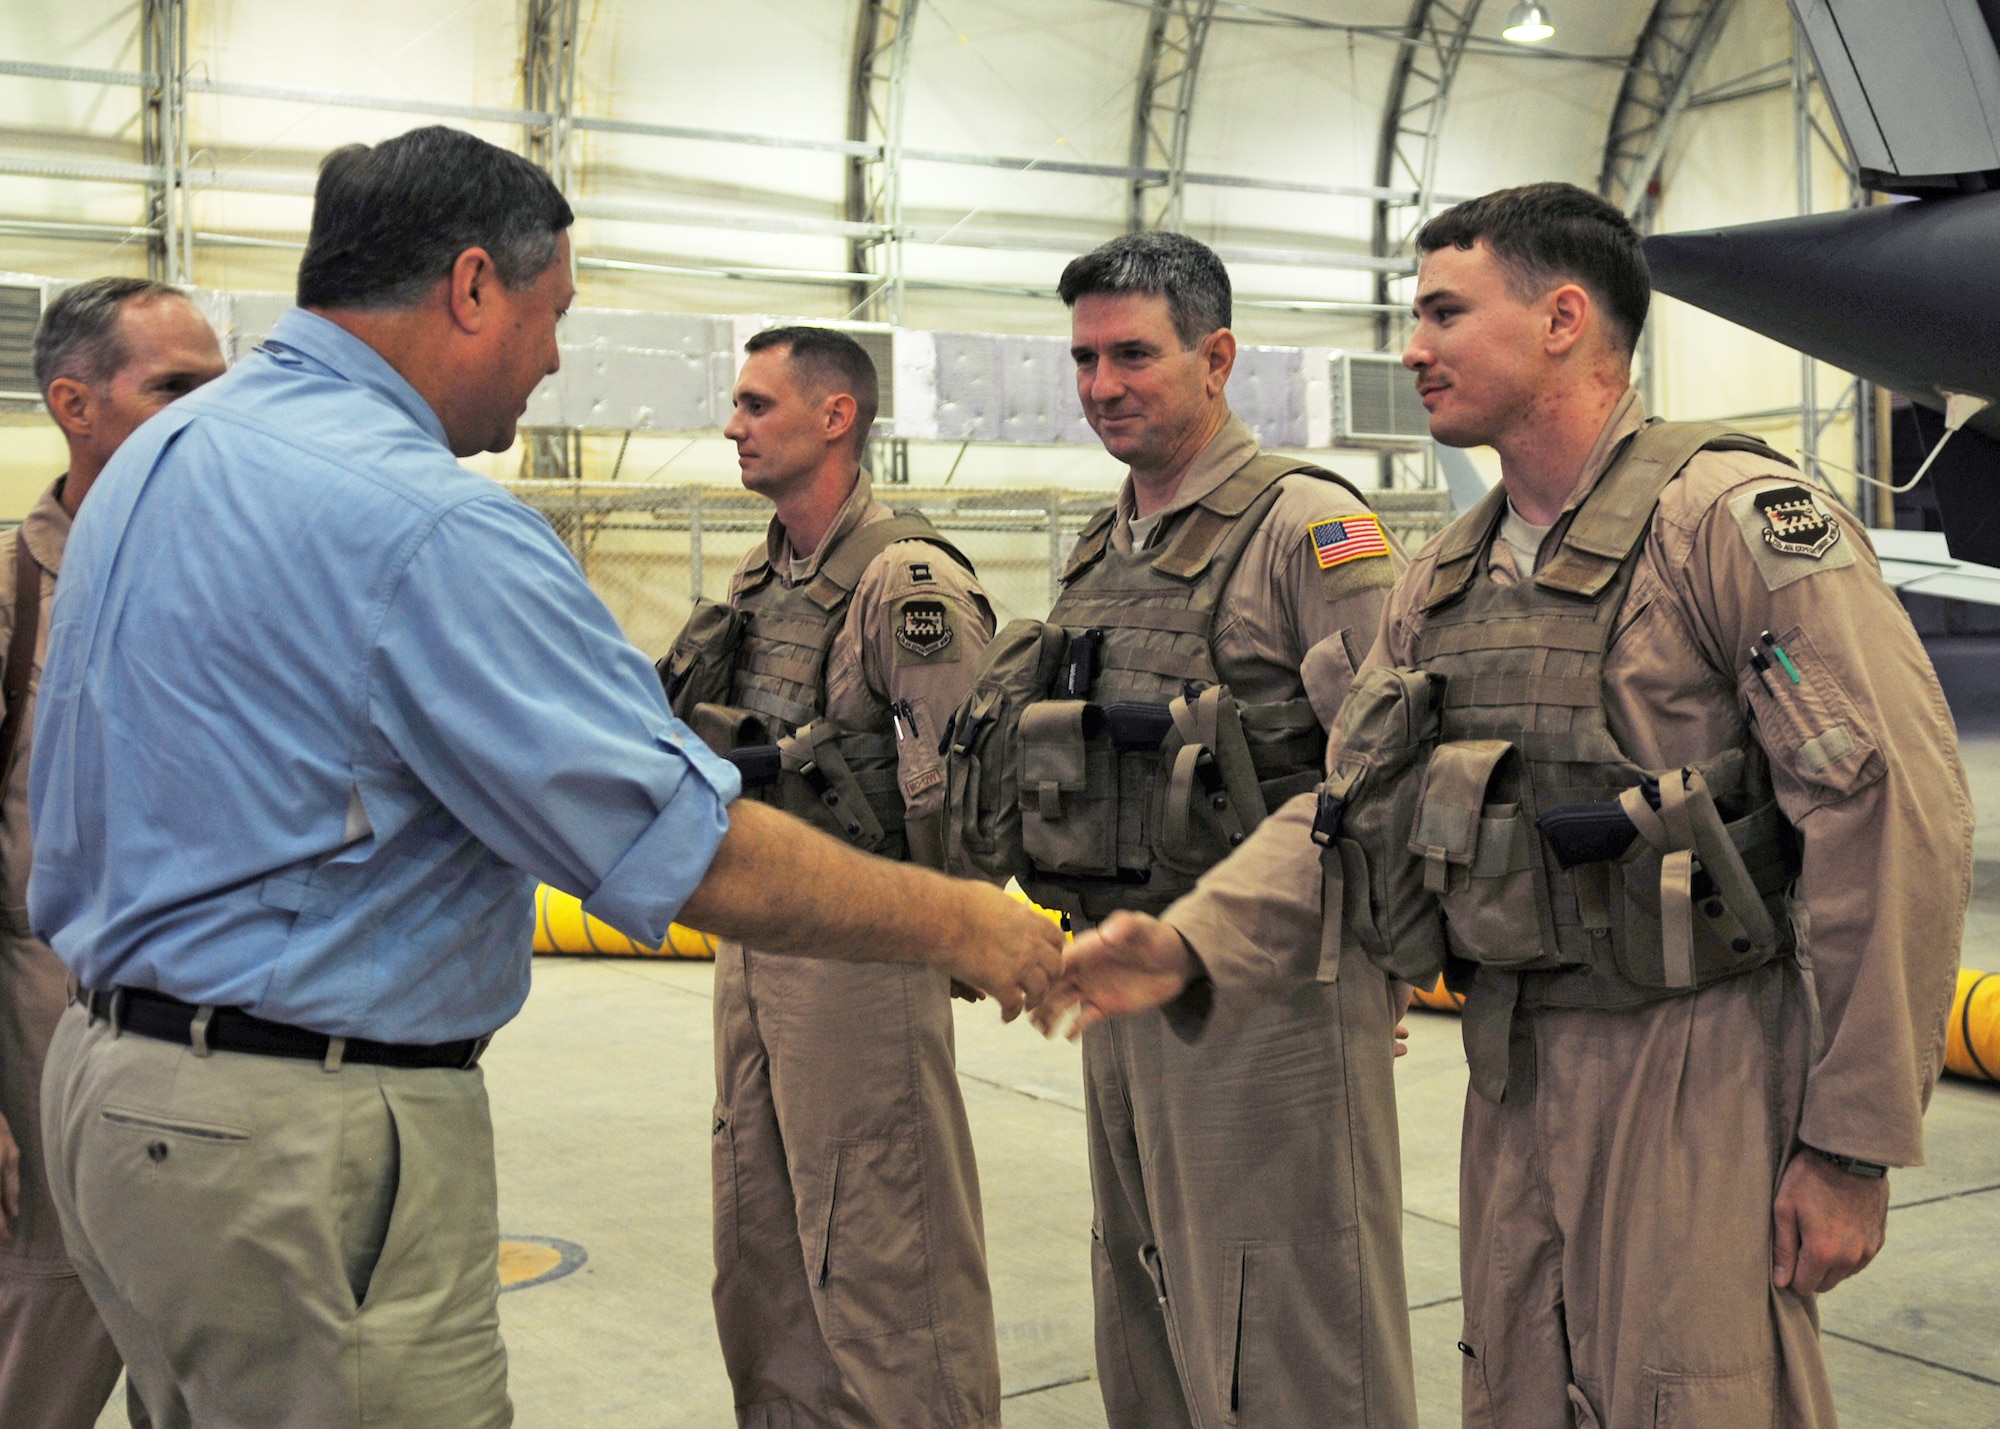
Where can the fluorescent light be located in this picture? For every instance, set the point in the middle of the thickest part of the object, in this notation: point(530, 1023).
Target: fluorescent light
point(1527, 24)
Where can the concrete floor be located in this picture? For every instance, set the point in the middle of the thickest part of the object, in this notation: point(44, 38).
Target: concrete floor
point(601, 1094)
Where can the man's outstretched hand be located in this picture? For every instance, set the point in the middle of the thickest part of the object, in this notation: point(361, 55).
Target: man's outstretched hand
point(1128, 963)
point(1000, 946)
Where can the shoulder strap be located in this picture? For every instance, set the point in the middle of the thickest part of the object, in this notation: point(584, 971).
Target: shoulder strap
point(20, 649)
point(1208, 524)
point(1613, 519)
point(842, 570)
point(1090, 542)
point(1464, 541)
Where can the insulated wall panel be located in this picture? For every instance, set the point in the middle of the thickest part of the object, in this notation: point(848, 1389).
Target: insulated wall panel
point(637, 371)
point(1267, 390)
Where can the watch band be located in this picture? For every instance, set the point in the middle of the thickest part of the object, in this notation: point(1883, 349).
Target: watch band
point(1852, 1165)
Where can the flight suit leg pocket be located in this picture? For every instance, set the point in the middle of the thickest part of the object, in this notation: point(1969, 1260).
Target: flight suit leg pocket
point(1291, 1341)
point(1742, 1399)
point(722, 1162)
point(871, 1266)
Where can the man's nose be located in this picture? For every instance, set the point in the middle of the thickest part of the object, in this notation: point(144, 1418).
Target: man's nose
point(1417, 355)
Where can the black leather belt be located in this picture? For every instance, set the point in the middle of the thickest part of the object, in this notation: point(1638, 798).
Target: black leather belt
point(231, 1029)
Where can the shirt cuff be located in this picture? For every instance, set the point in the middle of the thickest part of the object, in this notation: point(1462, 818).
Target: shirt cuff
point(646, 888)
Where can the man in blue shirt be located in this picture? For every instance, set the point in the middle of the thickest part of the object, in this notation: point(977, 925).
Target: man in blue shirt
point(319, 706)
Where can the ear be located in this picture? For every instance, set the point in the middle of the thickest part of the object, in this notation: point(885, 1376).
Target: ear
point(469, 290)
point(1567, 314)
point(73, 405)
point(837, 414)
point(1218, 355)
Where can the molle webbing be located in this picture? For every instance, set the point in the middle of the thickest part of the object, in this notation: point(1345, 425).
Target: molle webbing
point(1226, 764)
point(781, 662)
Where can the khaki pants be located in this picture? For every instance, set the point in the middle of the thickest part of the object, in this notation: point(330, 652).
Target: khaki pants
point(57, 1364)
point(1247, 1252)
point(1615, 1230)
point(850, 1260)
point(271, 1243)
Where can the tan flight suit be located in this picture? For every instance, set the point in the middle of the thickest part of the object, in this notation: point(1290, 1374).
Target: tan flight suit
point(850, 1284)
point(1616, 1205)
point(1247, 1250)
point(57, 1363)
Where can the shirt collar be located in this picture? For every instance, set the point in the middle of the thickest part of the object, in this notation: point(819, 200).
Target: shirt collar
point(1214, 464)
point(778, 546)
point(345, 355)
point(46, 527)
point(1625, 419)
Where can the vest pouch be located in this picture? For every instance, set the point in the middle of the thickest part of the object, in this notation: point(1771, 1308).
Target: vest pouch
point(1382, 745)
point(699, 668)
point(1472, 838)
point(1069, 789)
point(982, 808)
point(845, 784)
point(1699, 893)
point(726, 727)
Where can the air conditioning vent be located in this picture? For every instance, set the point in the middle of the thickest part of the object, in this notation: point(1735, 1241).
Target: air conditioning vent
point(1375, 402)
point(20, 313)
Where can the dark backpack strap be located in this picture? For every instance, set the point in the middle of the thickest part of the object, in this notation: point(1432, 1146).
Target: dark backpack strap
point(20, 649)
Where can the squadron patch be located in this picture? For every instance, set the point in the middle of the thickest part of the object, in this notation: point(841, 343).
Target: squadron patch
point(923, 627)
point(1794, 524)
point(1791, 535)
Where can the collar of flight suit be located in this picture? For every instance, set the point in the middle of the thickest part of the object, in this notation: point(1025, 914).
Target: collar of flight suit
point(1625, 419)
point(47, 528)
point(855, 511)
point(1214, 464)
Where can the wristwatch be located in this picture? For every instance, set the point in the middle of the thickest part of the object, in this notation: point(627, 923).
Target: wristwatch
point(1852, 1165)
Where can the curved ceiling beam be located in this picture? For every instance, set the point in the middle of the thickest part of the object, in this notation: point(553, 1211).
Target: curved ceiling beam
point(1168, 71)
point(1406, 156)
point(1659, 82)
point(877, 84)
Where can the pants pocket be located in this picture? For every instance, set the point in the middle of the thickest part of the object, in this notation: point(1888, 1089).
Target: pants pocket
point(722, 1165)
point(1290, 1340)
point(871, 1266)
point(1744, 1399)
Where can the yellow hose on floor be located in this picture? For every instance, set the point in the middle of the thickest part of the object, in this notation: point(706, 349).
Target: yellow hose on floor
point(561, 926)
point(1437, 999)
point(1972, 1047)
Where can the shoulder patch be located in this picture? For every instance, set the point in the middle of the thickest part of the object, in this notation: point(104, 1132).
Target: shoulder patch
point(1340, 539)
point(1790, 533)
point(922, 628)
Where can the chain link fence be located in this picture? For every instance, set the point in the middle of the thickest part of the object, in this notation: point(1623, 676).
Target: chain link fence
point(649, 551)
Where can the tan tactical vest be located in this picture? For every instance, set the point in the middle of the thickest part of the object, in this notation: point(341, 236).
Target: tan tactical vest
point(1447, 768)
point(752, 674)
point(1110, 820)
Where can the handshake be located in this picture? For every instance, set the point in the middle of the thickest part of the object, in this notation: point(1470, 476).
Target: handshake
point(784, 887)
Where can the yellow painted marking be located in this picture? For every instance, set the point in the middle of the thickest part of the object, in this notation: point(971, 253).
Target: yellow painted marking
point(524, 1260)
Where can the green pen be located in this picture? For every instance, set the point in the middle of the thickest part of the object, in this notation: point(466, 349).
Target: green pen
point(1775, 648)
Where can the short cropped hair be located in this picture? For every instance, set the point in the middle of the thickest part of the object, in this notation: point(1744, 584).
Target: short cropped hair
point(79, 337)
point(827, 361)
point(1183, 270)
point(1544, 234)
point(390, 220)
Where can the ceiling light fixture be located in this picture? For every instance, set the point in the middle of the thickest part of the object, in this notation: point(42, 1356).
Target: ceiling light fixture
point(1528, 24)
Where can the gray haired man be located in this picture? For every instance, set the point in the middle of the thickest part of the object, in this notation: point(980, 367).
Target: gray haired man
point(109, 354)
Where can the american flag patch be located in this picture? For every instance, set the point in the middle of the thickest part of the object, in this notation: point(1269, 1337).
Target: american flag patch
point(1347, 538)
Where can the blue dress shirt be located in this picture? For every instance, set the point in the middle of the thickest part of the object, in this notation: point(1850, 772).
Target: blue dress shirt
point(319, 707)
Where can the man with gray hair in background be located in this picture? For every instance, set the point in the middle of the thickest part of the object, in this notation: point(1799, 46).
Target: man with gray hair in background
point(109, 354)
point(1247, 1245)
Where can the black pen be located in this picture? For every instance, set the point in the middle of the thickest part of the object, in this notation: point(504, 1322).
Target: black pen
point(1760, 665)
